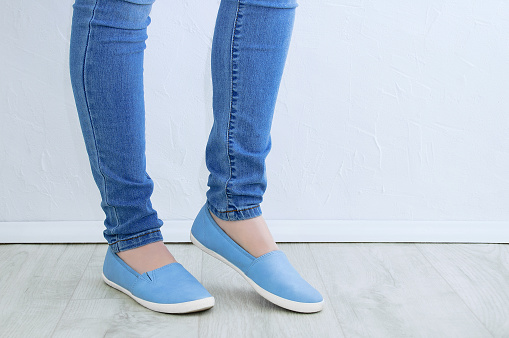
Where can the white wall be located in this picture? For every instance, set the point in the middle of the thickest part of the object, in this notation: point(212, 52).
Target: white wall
point(388, 110)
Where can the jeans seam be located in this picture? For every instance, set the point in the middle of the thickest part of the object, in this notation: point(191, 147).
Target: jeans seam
point(90, 115)
point(128, 239)
point(228, 135)
point(237, 210)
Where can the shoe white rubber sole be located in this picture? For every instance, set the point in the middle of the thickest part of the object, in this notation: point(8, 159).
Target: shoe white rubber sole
point(185, 307)
point(282, 302)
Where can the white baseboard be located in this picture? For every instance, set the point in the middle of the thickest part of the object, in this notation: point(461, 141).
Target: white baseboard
point(282, 230)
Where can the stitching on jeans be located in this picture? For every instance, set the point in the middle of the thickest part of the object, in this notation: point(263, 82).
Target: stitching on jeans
point(90, 115)
point(128, 239)
point(223, 212)
point(231, 107)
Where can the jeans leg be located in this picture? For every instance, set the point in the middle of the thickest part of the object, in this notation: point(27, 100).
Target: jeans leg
point(106, 69)
point(249, 49)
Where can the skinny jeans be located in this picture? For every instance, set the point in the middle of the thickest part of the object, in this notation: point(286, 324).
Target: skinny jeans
point(249, 49)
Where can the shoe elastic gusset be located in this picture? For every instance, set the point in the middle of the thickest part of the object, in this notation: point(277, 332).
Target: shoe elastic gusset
point(168, 289)
point(271, 275)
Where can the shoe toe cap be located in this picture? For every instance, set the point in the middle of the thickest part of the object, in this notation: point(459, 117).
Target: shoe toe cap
point(275, 274)
point(305, 294)
point(297, 290)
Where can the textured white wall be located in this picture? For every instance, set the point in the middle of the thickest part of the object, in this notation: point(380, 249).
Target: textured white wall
point(388, 110)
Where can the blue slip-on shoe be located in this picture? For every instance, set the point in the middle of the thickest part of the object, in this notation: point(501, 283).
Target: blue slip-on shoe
point(271, 274)
point(170, 288)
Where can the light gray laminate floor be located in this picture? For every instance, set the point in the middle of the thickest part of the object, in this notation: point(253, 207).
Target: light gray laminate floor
point(370, 289)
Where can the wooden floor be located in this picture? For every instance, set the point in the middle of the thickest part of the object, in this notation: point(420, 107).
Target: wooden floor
point(370, 290)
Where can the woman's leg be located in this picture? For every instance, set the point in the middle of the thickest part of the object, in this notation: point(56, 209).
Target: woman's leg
point(106, 67)
point(249, 49)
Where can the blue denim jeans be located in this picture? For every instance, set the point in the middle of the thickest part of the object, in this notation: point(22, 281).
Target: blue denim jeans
point(249, 49)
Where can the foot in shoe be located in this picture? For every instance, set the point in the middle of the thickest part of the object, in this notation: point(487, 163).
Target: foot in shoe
point(169, 289)
point(271, 274)
point(252, 234)
point(148, 257)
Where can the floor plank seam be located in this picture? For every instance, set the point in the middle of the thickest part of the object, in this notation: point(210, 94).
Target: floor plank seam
point(452, 288)
point(75, 287)
point(326, 291)
point(201, 277)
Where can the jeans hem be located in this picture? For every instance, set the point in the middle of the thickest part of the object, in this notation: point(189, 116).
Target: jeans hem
point(238, 214)
point(141, 239)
